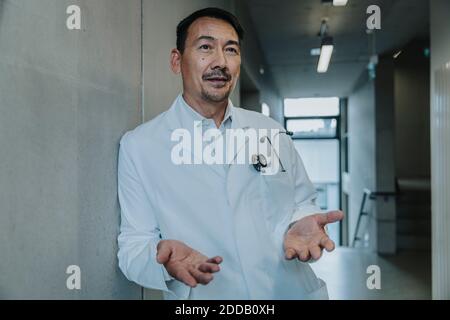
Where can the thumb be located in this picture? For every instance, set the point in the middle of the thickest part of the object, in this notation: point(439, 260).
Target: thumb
point(330, 217)
point(163, 254)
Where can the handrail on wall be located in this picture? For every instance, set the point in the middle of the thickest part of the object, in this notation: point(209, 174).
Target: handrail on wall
point(371, 195)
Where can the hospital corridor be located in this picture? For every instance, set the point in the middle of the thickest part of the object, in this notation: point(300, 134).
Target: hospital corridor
point(360, 87)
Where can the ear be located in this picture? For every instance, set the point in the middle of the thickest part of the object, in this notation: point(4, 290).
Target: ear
point(175, 61)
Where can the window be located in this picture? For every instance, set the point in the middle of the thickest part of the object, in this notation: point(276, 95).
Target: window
point(311, 107)
point(313, 128)
point(315, 124)
point(320, 159)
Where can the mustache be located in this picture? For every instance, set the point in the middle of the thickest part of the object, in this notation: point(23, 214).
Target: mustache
point(223, 74)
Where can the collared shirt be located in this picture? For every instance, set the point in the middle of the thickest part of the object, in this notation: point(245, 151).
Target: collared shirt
point(190, 118)
point(189, 115)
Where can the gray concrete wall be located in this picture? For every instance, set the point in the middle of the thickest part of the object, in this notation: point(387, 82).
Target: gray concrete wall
point(385, 208)
point(412, 112)
point(66, 99)
point(371, 124)
point(412, 146)
point(361, 149)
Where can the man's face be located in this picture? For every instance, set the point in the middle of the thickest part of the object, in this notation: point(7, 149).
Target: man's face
point(210, 63)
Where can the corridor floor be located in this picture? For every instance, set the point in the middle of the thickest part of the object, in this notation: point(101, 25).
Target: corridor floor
point(406, 275)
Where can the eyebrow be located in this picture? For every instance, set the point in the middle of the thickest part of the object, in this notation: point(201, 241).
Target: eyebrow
point(210, 38)
point(233, 42)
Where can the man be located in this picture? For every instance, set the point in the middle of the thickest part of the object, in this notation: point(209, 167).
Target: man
point(220, 230)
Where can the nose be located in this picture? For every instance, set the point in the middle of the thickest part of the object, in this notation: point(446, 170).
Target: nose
point(220, 60)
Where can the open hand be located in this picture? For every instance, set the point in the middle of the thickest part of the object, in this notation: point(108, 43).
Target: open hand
point(186, 264)
point(306, 238)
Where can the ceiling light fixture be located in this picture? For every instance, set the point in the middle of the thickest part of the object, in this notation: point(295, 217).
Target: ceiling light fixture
point(340, 3)
point(336, 3)
point(326, 51)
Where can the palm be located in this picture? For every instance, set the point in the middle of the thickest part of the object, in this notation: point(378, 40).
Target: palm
point(186, 264)
point(185, 257)
point(307, 233)
point(307, 237)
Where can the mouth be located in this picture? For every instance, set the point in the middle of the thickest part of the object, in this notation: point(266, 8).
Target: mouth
point(218, 81)
point(217, 78)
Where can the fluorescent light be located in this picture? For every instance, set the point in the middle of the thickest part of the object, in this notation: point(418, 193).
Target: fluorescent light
point(325, 57)
point(339, 3)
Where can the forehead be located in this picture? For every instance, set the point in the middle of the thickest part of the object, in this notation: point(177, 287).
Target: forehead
point(207, 26)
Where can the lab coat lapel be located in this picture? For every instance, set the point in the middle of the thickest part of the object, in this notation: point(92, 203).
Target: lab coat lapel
point(239, 122)
point(238, 175)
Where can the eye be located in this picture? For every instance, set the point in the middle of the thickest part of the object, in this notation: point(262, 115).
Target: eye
point(232, 50)
point(205, 47)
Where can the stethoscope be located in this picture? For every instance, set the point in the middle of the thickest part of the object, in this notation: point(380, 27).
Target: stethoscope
point(259, 161)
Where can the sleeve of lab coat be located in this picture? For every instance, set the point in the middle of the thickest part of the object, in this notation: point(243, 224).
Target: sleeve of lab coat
point(305, 192)
point(139, 231)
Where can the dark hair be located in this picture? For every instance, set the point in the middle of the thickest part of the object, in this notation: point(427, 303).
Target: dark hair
point(183, 26)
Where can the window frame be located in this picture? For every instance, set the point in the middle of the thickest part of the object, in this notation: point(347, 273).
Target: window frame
point(338, 127)
point(339, 138)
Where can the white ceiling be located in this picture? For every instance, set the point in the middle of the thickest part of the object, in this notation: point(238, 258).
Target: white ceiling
point(287, 31)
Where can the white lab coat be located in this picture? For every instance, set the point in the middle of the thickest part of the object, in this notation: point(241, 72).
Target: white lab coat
point(238, 214)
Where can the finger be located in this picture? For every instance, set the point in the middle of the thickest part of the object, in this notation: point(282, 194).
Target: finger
point(184, 276)
point(303, 254)
point(209, 267)
point(327, 243)
point(201, 277)
point(330, 217)
point(215, 260)
point(290, 253)
point(163, 254)
point(315, 252)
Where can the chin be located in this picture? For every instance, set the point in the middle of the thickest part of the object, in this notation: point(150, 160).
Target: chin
point(216, 96)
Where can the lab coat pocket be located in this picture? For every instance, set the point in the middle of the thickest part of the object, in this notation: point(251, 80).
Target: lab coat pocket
point(276, 203)
point(278, 196)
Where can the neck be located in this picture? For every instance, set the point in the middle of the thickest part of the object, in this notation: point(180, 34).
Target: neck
point(208, 109)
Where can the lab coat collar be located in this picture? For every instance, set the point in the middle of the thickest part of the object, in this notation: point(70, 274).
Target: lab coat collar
point(176, 120)
point(182, 116)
